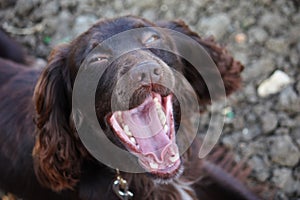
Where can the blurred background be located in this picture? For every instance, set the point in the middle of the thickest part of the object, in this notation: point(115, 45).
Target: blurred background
point(262, 120)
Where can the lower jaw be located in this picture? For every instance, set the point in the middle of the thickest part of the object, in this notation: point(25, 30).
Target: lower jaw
point(168, 179)
point(166, 174)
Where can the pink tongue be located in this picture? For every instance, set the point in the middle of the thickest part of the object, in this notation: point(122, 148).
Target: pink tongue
point(146, 127)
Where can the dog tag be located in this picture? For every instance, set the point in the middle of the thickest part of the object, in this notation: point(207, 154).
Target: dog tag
point(120, 187)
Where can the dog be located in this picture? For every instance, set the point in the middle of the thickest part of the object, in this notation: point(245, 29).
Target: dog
point(42, 155)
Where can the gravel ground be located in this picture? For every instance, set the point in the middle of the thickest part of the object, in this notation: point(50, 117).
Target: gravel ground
point(262, 119)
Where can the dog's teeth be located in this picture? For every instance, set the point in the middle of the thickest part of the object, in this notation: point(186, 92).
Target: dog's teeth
point(119, 113)
point(155, 99)
point(127, 131)
point(174, 158)
point(166, 128)
point(171, 165)
point(157, 105)
point(132, 139)
point(153, 165)
point(161, 116)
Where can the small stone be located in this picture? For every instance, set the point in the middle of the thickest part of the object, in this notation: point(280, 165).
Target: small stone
point(251, 132)
point(231, 140)
point(283, 151)
point(82, 23)
point(240, 38)
point(260, 168)
point(259, 68)
point(289, 101)
point(278, 45)
point(269, 121)
point(296, 135)
point(149, 14)
point(274, 84)
point(284, 180)
point(258, 34)
point(257, 148)
point(250, 93)
point(272, 21)
point(216, 25)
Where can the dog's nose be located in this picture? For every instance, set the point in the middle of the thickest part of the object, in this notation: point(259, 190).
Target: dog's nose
point(146, 72)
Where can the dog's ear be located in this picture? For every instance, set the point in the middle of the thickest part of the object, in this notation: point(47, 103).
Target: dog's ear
point(229, 68)
point(56, 154)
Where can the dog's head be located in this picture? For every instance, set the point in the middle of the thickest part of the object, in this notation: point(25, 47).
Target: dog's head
point(141, 81)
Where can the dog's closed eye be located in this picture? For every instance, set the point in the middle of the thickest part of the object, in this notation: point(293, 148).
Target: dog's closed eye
point(99, 58)
point(150, 39)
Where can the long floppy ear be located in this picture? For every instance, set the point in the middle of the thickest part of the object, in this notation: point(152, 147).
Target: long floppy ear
point(56, 154)
point(229, 68)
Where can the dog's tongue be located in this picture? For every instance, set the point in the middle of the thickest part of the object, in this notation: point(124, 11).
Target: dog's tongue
point(147, 129)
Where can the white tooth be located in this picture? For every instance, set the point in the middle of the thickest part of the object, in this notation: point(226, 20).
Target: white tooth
point(155, 99)
point(174, 158)
point(127, 131)
point(126, 128)
point(166, 128)
point(157, 105)
point(162, 116)
point(171, 165)
point(132, 140)
point(119, 113)
point(153, 165)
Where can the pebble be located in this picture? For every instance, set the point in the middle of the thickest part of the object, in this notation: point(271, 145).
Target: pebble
point(289, 100)
point(260, 168)
point(278, 45)
point(283, 151)
point(283, 179)
point(249, 133)
point(295, 133)
point(258, 34)
point(272, 21)
point(274, 84)
point(216, 25)
point(269, 121)
point(82, 23)
point(250, 93)
point(259, 68)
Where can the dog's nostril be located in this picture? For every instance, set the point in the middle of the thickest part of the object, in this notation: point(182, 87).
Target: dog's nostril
point(157, 71)
point(141, 76)
point(146, 72)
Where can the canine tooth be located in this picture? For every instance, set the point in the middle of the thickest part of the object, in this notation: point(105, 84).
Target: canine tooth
point(166, 128)
point(174, 158)
point(162, 116)
point(132, 139)
point(153, 165)
point(155, 99)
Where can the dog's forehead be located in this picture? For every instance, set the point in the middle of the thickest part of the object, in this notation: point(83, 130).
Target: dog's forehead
point(107, 28)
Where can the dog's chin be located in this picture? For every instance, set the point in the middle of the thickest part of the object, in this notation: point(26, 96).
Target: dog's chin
point(169, 178)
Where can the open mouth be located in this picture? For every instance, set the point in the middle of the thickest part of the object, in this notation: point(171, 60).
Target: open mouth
point(148, 132)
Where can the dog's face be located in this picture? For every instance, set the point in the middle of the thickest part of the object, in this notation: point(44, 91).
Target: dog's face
point(141, 82)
